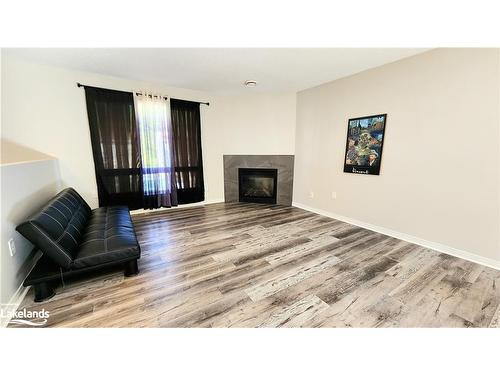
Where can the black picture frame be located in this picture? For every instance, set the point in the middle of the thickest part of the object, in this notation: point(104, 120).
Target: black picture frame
point(364, 144)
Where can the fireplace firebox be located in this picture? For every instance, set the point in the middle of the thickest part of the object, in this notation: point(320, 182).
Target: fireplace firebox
point(257, 185)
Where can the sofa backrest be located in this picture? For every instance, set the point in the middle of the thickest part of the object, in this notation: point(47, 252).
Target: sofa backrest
point(57, 227)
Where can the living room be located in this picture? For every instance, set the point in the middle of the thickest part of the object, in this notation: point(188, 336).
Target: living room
point(169, 187)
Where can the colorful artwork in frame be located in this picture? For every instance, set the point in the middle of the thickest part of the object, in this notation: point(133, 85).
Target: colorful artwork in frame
point(365, 139)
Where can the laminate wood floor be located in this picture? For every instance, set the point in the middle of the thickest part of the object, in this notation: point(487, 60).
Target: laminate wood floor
point(251, 265)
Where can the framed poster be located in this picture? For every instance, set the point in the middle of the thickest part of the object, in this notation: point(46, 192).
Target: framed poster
point(365, 140)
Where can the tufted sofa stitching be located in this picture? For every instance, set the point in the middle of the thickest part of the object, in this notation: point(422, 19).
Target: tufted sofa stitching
point(70, 221)
point(53, 218)
point(46, 236)
point(109, 252)
point(76, 237)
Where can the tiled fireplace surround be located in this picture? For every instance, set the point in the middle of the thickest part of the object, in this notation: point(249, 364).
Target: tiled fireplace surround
point(283, 163)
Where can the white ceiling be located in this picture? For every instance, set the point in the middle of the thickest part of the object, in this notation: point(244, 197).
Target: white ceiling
point(221, 70)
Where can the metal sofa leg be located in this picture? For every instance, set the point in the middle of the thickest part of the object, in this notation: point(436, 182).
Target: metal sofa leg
point(131, 268)
point(43, 291)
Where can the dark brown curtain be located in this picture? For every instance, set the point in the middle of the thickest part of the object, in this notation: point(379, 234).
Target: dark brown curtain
point(115, 145)
point(186, 127)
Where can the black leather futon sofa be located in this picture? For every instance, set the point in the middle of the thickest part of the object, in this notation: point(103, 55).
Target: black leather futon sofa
point(75, 239)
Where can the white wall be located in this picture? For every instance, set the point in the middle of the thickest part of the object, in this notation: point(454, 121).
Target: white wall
point(44, 110)
point(25, 187)
point(247, 124)
point(439, 176)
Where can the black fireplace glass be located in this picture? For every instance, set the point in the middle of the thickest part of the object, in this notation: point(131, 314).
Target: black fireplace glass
point(258, 185)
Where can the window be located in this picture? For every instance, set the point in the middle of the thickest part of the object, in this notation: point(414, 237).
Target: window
point(155, 135)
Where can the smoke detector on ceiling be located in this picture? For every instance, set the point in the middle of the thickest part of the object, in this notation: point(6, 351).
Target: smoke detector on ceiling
point(250, 83)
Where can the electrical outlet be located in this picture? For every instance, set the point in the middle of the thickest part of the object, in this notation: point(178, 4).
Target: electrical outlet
point(12, 247)
point(311, 194)
point(334, 195)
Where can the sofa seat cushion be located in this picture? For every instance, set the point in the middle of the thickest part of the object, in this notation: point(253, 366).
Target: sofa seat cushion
point(109, 237)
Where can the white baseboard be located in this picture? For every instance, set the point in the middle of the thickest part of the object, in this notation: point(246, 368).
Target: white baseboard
point(204, 203)
point(15, 300)
point(21, 291)
point(407, 237)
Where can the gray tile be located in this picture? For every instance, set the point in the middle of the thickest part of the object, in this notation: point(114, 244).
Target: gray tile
point(283, 163)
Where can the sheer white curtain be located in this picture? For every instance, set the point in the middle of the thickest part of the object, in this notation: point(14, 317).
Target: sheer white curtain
point(157, 154)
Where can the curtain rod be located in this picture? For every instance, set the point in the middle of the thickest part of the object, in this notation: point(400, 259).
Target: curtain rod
point(78, 84)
